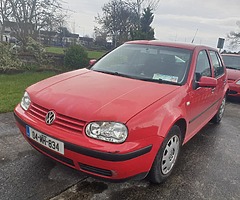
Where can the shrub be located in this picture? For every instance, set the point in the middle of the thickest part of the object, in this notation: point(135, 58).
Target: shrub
point(75, 57)
point(37, 50)
point(8, 61)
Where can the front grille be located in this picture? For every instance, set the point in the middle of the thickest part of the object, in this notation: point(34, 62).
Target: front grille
point(62, 121)
point(95, 170)
point(232, 92)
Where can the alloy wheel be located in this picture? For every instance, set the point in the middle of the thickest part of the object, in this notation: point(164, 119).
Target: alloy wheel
point(222, 108)
point(170, 154)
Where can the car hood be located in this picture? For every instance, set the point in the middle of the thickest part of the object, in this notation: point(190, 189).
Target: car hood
point(233, 74)
point(89, 95)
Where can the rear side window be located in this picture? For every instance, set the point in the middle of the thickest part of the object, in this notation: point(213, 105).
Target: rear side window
point(232, 62)
point(217, 64)
point(203, 67)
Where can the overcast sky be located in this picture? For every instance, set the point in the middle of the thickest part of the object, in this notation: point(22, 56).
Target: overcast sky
point(174, 20)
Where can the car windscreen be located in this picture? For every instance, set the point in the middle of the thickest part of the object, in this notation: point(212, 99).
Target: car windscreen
point(147, 62)
point(232, 62)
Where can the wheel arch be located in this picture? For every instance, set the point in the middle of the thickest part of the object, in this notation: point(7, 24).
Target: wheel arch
point(182, 124)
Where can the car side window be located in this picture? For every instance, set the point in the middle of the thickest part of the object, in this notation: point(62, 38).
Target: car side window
point(217, 64)
point(203, 67)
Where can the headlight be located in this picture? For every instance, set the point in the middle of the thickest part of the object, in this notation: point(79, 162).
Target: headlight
point(107, 131)
point(238, 82)
point(26, 101)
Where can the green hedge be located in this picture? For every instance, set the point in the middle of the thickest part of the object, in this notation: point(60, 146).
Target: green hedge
point(76, 57)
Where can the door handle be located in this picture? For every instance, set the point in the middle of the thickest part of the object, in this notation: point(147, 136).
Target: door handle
point(225, 82)
point(213, 90)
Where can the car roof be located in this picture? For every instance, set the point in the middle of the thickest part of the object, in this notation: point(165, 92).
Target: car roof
point(170, 44)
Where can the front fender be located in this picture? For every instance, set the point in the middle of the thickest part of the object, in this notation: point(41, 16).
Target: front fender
point(158, 118)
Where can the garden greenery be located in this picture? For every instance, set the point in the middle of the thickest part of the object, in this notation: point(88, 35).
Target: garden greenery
point(75, 57)
point(8, 60)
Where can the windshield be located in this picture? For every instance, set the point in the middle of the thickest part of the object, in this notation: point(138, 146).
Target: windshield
point(147, 62)
point(232, 62)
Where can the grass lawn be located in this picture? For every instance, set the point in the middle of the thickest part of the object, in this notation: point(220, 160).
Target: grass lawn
point(57, 50)
point(12, 87)
point(95, 54)
point(91, 54)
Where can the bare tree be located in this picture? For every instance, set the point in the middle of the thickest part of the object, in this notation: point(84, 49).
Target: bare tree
point(139, 5)
point(234, 37)
point(117, 20)
point(27, 17)
point(4, 14)
point(100, 37)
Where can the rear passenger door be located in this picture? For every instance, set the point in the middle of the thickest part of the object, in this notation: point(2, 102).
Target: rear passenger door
point(219, 73)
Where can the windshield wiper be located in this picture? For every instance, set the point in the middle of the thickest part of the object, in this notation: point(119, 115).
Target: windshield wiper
point(113, 73)
point(159, 81)
point(105, 72)
point(231, 67)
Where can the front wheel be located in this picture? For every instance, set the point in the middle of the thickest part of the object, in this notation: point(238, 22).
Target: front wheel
point(167, 156)
point(219, 115)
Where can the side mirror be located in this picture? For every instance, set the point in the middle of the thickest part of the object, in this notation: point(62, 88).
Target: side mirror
point(92, 62)
point(207, 82)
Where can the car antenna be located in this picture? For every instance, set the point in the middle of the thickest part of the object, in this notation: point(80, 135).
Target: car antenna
point(194, 36)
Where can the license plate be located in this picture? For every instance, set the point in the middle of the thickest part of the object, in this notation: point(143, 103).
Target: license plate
point(45, 140)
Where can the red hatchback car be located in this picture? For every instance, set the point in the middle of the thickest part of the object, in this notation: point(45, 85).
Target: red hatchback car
point(127, 115)
point(232, 62)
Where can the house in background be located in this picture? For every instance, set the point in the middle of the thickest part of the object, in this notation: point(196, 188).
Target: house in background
point(8, 30)
point(48, 38)
point(86, 41)
point(71, 39)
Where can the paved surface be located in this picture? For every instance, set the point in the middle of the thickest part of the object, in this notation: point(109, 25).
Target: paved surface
point(209, 168)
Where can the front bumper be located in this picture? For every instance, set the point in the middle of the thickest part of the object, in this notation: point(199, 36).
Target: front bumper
point(234, 90)
point(111, 165)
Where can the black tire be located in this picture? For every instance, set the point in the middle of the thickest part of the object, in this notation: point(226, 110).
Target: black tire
point(159, 172)
point(219, 115)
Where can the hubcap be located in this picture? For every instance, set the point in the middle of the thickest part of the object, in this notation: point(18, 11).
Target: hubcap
point(222, 108)
point(170, 154)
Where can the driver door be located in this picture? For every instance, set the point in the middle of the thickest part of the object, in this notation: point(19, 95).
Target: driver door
point(200, 104)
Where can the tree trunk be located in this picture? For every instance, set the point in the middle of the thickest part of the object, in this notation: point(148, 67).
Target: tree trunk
point(2, 30)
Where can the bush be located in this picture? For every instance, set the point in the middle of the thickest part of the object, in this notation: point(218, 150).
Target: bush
point(8, 61)
point(32, 54)
point(75, 57)
point(37, 50)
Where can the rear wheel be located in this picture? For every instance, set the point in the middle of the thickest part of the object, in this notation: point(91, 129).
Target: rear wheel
point(219, 115)
point(167, 156)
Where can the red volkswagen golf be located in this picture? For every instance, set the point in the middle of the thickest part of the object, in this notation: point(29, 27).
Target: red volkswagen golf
point(127, 115)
